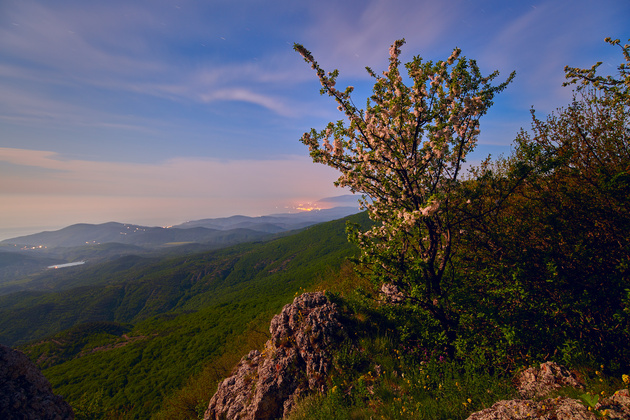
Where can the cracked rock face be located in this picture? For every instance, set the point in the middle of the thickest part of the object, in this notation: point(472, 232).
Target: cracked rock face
point(561, 408)
point(25, 393)
point(538, 382)
point(295, 361)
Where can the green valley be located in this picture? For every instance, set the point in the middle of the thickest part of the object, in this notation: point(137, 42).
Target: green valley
point(139, 328)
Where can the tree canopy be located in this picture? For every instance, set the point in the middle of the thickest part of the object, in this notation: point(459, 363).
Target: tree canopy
point(405, 152)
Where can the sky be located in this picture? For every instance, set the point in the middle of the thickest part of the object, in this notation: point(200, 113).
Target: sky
point(156, 112)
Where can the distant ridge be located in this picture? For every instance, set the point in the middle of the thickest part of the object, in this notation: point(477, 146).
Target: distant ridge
point(273, 223)
point(341, 201)
point(197, 231)
point(23, 257)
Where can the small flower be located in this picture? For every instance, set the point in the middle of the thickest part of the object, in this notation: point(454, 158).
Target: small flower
point(625, 378)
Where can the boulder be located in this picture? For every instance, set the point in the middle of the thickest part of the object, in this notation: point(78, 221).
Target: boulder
point(538, 383)
point(25, 393)
point(295, 361)
point(553, 408)
point(392, 294)
point(559, 408)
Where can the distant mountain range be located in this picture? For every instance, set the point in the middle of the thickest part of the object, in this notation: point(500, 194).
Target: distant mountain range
point(273, 223)
point(198, 231)
point(25, 256)
point(133, 330)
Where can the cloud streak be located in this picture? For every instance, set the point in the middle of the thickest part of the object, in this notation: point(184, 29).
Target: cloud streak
point(67, 48)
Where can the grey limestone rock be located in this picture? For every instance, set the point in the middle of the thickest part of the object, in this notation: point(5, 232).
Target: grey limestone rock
point(295, 361)
point(538, 383)
point(560, 408)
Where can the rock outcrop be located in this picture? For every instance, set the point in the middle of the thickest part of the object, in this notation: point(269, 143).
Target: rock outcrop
point(25, 393)
point(539, 382)
point(392, 294)
point(295, 361)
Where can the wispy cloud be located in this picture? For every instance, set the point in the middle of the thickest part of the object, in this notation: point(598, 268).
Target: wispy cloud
point(359, 34)
point(244, 95)
point(57, 39)
point(125, 49)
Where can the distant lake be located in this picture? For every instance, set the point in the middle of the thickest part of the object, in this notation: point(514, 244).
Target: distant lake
point(72, 264)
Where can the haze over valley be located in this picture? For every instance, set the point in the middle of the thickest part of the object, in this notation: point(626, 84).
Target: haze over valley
point(89, 244)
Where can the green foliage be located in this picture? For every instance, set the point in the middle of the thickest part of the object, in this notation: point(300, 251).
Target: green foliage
point(618, 87)
point(589, 400)
point(405, 151)
point(134, 293)
point(92, 407)
point(183, 318)
point(191, 400)
point(546, 273)
point(76, 341)
point(380, 374)
point(137, 376)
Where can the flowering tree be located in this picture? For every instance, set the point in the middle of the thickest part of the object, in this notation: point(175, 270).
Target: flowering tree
point(404, 152)
point(618, 87)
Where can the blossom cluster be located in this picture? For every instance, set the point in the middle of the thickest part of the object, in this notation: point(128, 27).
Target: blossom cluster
point(404, 152)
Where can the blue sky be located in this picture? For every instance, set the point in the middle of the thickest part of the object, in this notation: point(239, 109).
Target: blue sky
point(156, 112)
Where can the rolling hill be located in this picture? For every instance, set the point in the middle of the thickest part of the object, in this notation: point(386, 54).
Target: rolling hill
point(24, 260)
point(136, 329)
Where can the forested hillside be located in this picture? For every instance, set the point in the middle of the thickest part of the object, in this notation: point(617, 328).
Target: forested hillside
point(137, 335)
